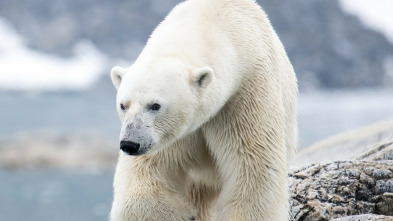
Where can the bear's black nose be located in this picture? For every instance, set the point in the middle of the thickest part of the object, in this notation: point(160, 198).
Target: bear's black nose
point(129, 147)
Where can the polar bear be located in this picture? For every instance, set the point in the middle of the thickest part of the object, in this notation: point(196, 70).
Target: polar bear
point(208, 114)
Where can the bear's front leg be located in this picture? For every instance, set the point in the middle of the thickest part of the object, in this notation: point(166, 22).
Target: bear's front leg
point(248, 195)
point(251, 160)
point(254, 188)
point(141, 193)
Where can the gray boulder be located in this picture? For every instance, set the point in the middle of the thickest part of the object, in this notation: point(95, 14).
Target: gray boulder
point(344, 190)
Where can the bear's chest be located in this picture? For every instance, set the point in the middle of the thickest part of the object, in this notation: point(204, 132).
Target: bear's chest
point(205, 175)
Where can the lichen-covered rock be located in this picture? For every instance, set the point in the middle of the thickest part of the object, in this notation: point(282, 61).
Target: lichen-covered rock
point(365, 217)
point(382, 151)
point(342, 188)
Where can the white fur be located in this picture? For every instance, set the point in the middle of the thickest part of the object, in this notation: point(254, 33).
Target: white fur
point(218, 147)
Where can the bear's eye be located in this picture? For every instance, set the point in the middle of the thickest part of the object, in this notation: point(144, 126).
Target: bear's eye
point(122, 107)
point(155, 107)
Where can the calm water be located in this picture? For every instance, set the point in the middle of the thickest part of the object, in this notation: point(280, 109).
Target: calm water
point(323, 114)
point(54, 196)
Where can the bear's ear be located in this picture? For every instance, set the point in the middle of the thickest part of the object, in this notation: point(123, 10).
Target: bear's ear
point(202, 77)
point(117, 74)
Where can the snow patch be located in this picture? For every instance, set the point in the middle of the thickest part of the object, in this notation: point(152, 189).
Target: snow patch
point(22, 68)
point(377, 15)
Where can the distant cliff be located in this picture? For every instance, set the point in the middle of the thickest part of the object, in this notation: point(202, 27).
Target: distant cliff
point(328, 48)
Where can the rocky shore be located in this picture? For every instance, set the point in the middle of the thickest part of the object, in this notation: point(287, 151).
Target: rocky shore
point(78, 152)
point(359, 188)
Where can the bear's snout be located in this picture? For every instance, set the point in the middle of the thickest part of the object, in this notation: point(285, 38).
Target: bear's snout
point(129, 147)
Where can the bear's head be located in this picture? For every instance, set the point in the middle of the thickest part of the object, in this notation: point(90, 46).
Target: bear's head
point(158, 104)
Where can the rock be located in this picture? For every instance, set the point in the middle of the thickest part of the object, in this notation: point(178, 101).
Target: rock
point(366, 217)
point(326, 191)
point(347, 145)
point(81, 152)
point(381, 151)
